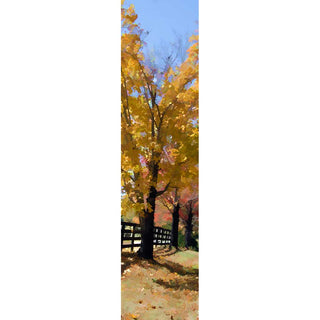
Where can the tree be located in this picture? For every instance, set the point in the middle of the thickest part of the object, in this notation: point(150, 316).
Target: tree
point(158, 124)
point(182, 203)
point(171, 202)
point(191, 211)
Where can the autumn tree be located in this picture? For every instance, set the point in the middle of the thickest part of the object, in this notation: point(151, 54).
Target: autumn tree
point(189, 202)
point(158, 124)
point(182, 202)
point(171, 202)
point(192, 210)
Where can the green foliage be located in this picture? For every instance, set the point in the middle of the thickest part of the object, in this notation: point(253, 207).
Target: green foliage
point(167, 225)
point(181, 239)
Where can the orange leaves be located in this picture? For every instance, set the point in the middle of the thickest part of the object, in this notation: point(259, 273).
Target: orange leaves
point(194, 38)
point(130, 43)
point(128, 16)
point(130, 11)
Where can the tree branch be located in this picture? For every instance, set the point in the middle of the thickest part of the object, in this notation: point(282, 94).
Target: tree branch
point(164, 203)
point(159, 193)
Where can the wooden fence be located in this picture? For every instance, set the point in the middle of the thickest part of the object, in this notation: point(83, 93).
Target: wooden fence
point(131, 235)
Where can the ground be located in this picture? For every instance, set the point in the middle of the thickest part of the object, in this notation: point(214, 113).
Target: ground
point(165, 288)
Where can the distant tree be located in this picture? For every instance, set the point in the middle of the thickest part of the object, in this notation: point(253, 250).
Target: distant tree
point(189, 212)
point(182, 202)
point(191, 208)
point(171, 202)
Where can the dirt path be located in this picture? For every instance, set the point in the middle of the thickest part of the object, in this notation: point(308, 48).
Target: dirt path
point(165, 288)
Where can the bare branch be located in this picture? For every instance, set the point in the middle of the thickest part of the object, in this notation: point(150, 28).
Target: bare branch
point(159, 193)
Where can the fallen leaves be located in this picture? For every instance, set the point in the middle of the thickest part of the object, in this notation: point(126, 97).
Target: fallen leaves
point(160, 289)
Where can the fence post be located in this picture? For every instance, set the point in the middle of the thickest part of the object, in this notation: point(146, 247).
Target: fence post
point(122, 233)
point(132, 241)
point(158, 236)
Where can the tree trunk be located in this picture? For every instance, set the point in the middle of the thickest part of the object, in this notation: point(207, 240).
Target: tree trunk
point(147, 217)
point(147, 224)
point(175, 226)
point(188, 234)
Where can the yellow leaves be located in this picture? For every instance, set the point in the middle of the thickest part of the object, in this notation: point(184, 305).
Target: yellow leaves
point(194, 38)
point(130, 46)
point(136, 168)
point(146, 125)
point(130, 10)
point(183, 78)
point(128, 16)
point(155, 146)
point(174, 152)
point(131, 316)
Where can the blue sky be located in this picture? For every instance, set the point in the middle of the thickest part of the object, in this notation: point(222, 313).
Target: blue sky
point(165, 19)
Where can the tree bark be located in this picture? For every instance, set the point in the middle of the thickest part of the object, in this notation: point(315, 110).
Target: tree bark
point(175, 226)
point(147, 224)
point(188, 234)
point(147, 216)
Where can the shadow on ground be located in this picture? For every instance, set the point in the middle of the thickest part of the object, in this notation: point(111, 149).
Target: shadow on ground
point(189, 283)
point(188, 276)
